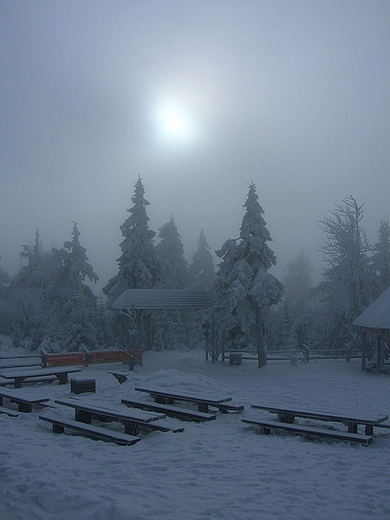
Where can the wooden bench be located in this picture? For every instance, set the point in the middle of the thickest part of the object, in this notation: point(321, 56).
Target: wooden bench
point(267, 426)
point(132, 419)
point(24, 401)
point(89, 430)
point(351, 419)
point(171, 411)
point(169, 396)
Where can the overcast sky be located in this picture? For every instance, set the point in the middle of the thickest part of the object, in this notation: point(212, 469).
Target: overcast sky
point(199, 98)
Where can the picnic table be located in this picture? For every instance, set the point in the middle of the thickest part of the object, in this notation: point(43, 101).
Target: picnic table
point(131, 418)
point(169, 396)
point(286, 417)
point(19, 376)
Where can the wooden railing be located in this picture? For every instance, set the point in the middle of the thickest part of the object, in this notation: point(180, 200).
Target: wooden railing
point(305, 354)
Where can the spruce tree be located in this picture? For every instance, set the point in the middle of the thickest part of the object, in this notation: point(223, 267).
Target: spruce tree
point(170, 252)
point(380, 261)
point(201, 271)
point(244, 288)
point(139, 267)
point(298, 280)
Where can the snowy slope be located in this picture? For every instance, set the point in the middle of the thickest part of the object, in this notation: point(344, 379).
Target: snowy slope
point(215, 470)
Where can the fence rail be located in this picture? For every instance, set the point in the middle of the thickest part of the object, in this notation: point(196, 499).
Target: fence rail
point(304, 355)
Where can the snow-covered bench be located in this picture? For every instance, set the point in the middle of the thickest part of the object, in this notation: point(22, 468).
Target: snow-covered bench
point(171, 411)
point(96, 432)
point(266, 426)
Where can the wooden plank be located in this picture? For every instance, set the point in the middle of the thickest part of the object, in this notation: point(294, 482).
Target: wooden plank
point(89, 430)
point(171, 411)
point(370, 419)
point(47, 371)
point(125, 414)
point(184, 396)
point(267, 426)
point(18, 396)
point(230, 406)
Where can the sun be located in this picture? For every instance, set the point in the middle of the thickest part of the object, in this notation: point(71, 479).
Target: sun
point(174, 123)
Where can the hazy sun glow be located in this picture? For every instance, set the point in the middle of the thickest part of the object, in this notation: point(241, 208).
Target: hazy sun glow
point(173, 123)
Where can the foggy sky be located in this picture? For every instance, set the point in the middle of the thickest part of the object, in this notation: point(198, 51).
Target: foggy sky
point(293, 95)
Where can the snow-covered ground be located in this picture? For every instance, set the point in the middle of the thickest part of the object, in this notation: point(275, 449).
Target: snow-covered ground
point(216, 470)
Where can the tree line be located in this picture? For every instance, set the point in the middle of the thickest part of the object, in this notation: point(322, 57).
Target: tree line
point(49, 302)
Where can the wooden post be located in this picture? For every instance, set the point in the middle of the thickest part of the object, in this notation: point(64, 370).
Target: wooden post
point(261, 353)
point(364, 349)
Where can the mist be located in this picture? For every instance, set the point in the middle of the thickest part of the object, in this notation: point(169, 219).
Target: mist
point(293, 96)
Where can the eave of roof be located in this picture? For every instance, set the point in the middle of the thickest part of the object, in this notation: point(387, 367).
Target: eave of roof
point(162, 299)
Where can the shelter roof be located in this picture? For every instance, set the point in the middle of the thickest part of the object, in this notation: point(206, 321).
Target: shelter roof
point(377, 315)
point(163, 299)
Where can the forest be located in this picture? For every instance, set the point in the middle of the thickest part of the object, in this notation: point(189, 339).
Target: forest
point(50, 304)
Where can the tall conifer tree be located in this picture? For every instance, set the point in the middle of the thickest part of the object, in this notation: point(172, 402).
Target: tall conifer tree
point(244, 288)
point(139, 267)
point(170, 252)
point(201, 271)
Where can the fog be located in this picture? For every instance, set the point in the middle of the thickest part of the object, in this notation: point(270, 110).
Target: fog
point(291, 95)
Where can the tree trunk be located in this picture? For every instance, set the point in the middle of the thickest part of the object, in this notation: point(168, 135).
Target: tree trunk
point(261, 352)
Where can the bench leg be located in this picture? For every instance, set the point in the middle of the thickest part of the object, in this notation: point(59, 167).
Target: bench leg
point(203, 407)
point(160, 399)
point(352, 427)
point(57, 428)
point(286, 417)
point(1, 400)
point(62, 378)
point(264, 430)
point(18, 382)
point(131, 428)
point(369, 430)
point(25, 407)
point(82, 416)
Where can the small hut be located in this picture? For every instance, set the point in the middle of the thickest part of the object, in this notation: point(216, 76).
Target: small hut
point(137, 304)
point(376, 320)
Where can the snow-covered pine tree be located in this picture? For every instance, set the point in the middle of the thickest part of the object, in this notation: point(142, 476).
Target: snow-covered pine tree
point(298, 280)
point(298, 304)
point(170, 252)
point(171, 324)
point(201, 271)
point(74, 300)
point(380, 261)
point(139, 267)
point(5, 321)
point(29, 303)
point(244, 288)
point(201, 277)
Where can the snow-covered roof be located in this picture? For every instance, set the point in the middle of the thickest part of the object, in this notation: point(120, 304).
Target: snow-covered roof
point(163, 299)
point(377, 315)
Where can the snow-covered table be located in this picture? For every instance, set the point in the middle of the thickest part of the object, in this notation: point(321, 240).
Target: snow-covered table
point(168, 396)
point(61, 373)
point(131, 418)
